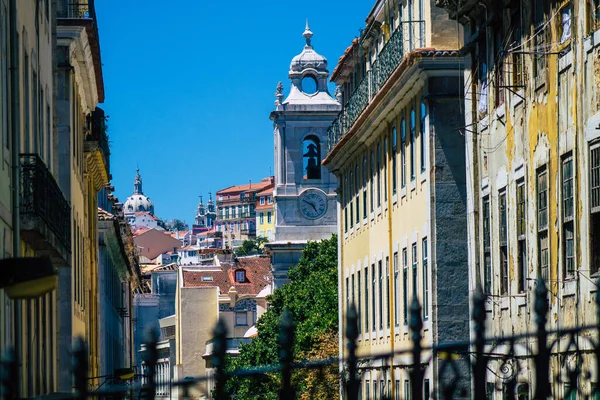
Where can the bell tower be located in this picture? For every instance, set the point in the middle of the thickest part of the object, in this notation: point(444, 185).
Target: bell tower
point(305, 191)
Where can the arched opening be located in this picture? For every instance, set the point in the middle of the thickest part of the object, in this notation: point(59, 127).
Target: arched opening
point(309, 84)
point(311, 151)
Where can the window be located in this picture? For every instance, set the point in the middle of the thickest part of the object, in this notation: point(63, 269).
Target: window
point(403, 153)
point(344, 202)
point(394, 166)
point(269, 200)
point(351, 197)
point(487, 255)
point(413, 132)
point(378, 175)
point(489, 390)
point(387, 288)
point(364, 172)
point(426, 389)
point(262, 200)
point(357, 191)
point(240, 275)
point(595, 208)
point(568, 245)
point(359, 302)
point(367, 390)
point(374, 297)
point(396, 289)
point(207, 279)
point(570, 391)
point(502, 214)
point(425, 267)
point(565, 23)
point(372, 181)
point(366, 298)
point(542, 214)
point(405, 284)
point(415, 263)
point(347, 294)
point(517, 31)
point(521, 234)
point(312, 157)
point(539, 57)
point(385, 168)
point(407, 392)
point(499, 38)
point(422, 136)
point(269, 217)
point(353, 292)
point(241, 318)
point(262, 218)
point(26, 97)
point(397, 389)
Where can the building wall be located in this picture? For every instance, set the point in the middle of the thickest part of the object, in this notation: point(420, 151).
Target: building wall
point(543, 124)
point(193, 330)
point(403, 226)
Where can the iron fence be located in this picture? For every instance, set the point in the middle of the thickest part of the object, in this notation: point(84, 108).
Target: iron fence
point(463, 367)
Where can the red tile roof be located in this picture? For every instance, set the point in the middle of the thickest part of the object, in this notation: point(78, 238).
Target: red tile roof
point(250, 187)
point(258, 276)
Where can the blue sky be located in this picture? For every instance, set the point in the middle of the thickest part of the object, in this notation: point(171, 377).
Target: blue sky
point(190, 84)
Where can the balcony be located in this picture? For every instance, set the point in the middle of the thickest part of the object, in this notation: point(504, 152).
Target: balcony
point(250, 199)
point(410, 35)
point(233, 345)
point(97, 149)
point(45, 213)
point(457, 9)
point(81, 9)
point(248, 232)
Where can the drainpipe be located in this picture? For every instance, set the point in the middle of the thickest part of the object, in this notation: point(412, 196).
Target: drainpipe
point(14, 114)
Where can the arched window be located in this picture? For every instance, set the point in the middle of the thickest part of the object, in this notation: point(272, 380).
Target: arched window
point(311, 150)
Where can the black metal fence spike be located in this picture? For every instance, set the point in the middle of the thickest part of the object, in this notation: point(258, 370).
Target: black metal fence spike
point(150, 360)
point(542, 358)
point(352, 385)
point(286, 356)
point(479, 366)
point(416, 373)
point(80, 368)
point(9, 375)
point(218, 359)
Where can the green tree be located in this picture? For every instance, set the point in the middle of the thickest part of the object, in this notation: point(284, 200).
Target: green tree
point(312, 297)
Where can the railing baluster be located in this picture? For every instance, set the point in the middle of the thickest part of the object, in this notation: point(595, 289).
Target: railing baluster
point(352, 387)
point(286, 346)
point(80, 368)
point(542, 358)
point(218, 360)
point(416, 373)
point(479, 367)
point(9, 375)
point(150, 360)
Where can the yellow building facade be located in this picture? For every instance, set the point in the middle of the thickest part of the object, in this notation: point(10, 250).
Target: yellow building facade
point(265, 215)
point(399, 157)
point(533, 171)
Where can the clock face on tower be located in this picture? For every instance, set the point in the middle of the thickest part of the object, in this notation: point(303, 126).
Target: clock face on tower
point(313, 203)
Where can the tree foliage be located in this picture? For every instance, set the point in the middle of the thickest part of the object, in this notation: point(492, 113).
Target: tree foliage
point(312, 297)
point(250, 247)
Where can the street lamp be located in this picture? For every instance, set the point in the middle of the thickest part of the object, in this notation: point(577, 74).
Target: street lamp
point(27, 277)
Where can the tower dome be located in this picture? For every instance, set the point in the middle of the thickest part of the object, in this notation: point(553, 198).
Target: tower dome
point(308, 58)
point(138, 202)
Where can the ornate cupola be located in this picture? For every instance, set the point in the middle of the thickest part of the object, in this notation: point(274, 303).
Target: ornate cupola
point(309, 76)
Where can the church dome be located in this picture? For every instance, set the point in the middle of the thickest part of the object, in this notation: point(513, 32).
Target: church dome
point(138, 202)
point(309, 58)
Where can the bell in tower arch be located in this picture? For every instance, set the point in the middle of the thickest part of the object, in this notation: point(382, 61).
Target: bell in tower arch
point(313, 169)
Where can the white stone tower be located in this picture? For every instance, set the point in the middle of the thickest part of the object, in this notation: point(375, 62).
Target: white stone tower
point(305, 191)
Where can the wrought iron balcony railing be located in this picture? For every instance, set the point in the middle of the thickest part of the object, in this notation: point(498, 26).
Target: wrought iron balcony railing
point(97, 137)
point(76, 9)
point(408, 36)
point(42, 198)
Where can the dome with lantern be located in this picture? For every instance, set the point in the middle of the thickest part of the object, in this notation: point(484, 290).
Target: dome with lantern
point(138, 202)
point(308, 58)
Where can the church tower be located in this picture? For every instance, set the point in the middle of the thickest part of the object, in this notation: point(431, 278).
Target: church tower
point(305, 191)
